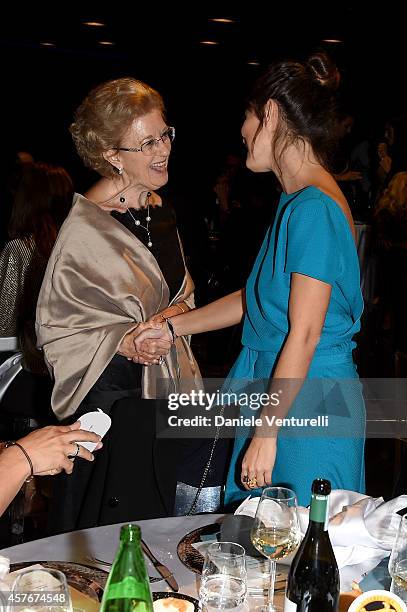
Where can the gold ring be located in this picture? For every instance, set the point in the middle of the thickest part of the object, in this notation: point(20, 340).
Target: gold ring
point(252, 483)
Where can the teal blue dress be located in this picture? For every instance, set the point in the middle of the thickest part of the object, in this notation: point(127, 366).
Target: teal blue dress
point(311, 236)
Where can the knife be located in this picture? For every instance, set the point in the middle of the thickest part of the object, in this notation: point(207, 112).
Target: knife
point(161, 569)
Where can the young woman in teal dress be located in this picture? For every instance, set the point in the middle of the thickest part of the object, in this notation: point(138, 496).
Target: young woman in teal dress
point(302, 303)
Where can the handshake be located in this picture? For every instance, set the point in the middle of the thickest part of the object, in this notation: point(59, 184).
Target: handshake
point(151, 341)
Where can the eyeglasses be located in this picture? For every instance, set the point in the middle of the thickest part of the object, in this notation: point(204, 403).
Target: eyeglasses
point(148, 148)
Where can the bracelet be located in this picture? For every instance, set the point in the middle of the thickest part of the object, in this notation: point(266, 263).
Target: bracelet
point(171, 328)
point(180, 307)
point(27, 456)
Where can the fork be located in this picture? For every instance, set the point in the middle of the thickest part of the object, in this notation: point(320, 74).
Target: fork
point(107, 564)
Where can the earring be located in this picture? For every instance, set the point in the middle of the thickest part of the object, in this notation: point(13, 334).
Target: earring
point(119, 170)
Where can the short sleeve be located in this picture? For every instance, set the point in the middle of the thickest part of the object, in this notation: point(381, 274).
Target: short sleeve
point(312, 243)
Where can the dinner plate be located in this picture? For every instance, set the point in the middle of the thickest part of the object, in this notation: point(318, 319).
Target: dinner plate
point(190, 556)
point(84, 578)
point(165, 594)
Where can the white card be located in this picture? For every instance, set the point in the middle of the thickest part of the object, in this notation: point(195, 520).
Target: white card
point(99, 422)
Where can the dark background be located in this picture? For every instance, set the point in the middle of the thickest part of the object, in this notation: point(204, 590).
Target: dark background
point(204, 86)
point(50, 59)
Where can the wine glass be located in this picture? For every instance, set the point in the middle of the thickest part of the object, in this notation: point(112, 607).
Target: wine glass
point(40, 590)
point(276, 531)
point(398, 561)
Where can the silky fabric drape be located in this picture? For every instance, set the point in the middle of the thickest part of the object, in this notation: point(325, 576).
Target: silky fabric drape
point(100, 282)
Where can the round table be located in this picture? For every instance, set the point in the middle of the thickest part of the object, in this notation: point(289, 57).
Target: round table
point(161, 535)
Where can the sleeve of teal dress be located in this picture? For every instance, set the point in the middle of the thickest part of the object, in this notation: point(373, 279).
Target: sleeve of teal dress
point(312, 243)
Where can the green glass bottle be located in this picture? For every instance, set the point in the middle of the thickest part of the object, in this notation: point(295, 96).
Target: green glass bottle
point(313, 580)
point(128, 587)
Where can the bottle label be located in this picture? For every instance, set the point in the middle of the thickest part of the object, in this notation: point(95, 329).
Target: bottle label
point(289, 606)
point(129, 588)
point(319, 509)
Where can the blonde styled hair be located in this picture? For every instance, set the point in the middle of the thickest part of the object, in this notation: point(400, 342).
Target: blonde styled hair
point(394, 198)
point(106, 114)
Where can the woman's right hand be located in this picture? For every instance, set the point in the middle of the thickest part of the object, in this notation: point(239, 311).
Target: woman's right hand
point(144, 354)
point(153, 338)
point(49, 448)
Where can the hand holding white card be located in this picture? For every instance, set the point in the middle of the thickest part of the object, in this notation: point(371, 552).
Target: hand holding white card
point(99, 422)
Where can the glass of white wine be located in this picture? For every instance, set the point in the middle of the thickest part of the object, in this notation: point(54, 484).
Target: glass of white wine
point(398, 561)
point(276, 531)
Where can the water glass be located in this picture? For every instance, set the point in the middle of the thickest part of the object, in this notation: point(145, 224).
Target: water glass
point(398, 561)
point(224, 578)
point(40, 590)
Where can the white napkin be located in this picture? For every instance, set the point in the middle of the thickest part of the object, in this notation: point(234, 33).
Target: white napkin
point(7, 578)
point(4, 570)
point(361, 528)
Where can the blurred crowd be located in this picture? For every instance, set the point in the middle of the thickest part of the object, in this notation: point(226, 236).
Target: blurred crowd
point(222, 228)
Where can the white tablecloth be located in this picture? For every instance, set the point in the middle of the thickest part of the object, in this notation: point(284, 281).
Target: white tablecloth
point(162, 536)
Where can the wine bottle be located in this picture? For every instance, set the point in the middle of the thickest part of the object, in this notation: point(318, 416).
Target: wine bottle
point(313, 580)
point(128, 585)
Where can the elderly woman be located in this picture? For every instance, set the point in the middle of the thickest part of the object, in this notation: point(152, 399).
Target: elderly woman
point(118, 261)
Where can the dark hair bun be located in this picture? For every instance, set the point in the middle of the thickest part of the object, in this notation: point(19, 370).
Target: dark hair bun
point(323, 70)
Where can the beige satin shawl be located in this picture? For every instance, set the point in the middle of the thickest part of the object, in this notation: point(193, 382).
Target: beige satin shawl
point(99, 283)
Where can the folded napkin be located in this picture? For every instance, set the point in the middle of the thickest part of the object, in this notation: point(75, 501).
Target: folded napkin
point(362, 529)
point(7, 578)
point(4, 570)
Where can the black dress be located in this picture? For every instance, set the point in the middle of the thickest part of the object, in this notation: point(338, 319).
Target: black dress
point(134, 476)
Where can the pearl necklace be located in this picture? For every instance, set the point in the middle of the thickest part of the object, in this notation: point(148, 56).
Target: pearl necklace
point(148, 219)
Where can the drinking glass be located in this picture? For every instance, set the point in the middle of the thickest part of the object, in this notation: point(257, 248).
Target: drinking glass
point(224, 579)
point(41, 590)
point(398, 561)
point(276, 531)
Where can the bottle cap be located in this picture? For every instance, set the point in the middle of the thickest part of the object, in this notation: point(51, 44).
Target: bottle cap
point(320, 486)
point(388, 601)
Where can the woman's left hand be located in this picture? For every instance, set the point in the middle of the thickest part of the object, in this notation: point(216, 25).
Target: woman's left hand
point(258, 463)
